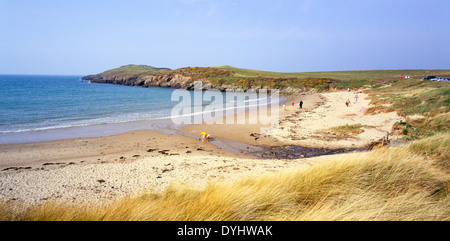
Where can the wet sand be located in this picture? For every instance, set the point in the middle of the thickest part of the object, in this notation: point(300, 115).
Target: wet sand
point(131, 145)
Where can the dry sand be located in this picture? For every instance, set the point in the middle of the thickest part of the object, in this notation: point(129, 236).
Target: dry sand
point(97, 170)
point(312, 128)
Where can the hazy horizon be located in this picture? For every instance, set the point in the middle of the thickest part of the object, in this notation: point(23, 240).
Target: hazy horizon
point(82, 75)
point(47, 37)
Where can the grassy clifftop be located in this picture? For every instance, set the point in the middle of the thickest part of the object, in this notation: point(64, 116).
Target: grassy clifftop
point(246, 78)
point(339, 75)
point(132, 70)
point(233, 72)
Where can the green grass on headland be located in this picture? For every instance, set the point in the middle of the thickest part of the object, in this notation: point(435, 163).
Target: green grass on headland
point(372, 75)
point(132, 70)
point(247, 78)
point(323, 80)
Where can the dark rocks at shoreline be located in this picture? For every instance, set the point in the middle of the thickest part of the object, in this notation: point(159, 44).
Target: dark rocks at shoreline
point(297, 152)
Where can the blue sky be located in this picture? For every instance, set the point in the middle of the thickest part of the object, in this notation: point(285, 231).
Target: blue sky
point(86, 37)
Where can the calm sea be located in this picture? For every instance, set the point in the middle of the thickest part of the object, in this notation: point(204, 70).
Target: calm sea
point(47, 102)
point(41, 108)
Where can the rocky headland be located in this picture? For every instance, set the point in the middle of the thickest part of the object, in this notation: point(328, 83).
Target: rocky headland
point(170, 80)
point(185, 78)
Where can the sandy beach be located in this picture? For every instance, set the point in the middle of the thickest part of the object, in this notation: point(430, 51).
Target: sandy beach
point(97, 170)
point(312, 127)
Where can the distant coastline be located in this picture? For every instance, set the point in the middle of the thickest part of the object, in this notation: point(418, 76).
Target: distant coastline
point(229, 78)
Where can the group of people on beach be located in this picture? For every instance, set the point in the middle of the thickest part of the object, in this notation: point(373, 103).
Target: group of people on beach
point(348, 102)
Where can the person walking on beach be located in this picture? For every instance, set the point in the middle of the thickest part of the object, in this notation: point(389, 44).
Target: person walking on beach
point(348, 102)
point(301, 104)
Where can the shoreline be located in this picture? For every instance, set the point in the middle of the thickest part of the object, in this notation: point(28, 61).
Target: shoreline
point(99, 169)
point(161, 124)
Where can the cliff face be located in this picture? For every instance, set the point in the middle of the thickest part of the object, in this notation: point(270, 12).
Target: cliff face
point(176, 81)
point(168, 80)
